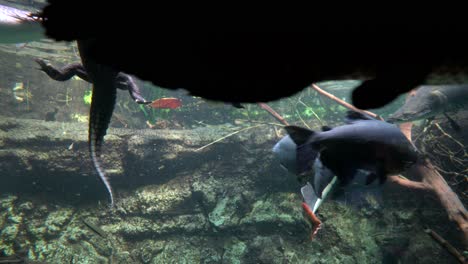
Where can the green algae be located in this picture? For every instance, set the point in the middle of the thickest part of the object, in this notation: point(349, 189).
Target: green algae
point(157, 199)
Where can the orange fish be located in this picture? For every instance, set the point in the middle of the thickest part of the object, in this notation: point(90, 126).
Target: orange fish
point(171, 103)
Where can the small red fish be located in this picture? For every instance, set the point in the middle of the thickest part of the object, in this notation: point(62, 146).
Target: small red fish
point(171, 103)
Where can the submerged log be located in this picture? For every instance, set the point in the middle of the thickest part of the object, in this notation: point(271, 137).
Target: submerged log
point(341, 102)
point(446, 245)
point(434, 182)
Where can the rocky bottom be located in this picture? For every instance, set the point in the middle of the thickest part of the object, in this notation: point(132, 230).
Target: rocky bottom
point(153, 226)
point(230, 203)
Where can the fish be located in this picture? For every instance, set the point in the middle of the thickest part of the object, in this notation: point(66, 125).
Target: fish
point(325, 183)
point(362, 144)
point(430, 101)
point(251, 66)
point(309, 192)
point(285, 154)
point(19, 26)
point(168, 103)
point(359, 196)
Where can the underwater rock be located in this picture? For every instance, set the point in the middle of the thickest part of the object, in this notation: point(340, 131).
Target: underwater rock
point(182, 249)
point(83, 252)
point(141, 227)
point(158, 199)
point(57, 219)
point(6, 203)
point(150, 248)
point(9, 233)
point(210, 255)
point(225, 213)
point(73, 245)
point(275, 211)
point(234, 252)
point(2, 219)
point(36, 229)
point(267, 249)
point(91, 224)
point(207, 190)
point(10, 223)
point(26, 207)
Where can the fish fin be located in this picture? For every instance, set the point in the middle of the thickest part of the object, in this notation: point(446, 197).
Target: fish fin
point(453, 123)
point(352, 116)
point(298, 134)
point(308, 194)
point(326, 128)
